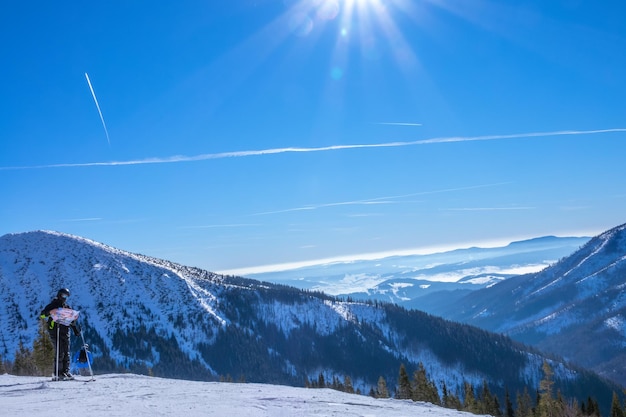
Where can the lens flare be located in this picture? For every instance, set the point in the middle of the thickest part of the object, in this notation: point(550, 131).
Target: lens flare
point(328, 10)
point(300, 24)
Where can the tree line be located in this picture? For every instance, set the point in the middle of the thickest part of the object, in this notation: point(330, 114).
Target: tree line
point(544, 402)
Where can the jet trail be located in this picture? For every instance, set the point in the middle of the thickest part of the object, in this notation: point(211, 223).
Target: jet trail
point(98, 107)
point(273, 151)
point(399, 124)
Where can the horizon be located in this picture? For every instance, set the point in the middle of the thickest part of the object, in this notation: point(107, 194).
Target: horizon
point(345, 259)
point(238, 136)
point(292, 266)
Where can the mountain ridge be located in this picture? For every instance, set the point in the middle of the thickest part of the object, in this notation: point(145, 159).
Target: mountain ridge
point(575, 308)
point(414, 280)
point(146, 315)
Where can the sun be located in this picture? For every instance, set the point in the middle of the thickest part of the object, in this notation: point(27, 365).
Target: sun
point(360, 2)
point(374, 27)
point(368, 33)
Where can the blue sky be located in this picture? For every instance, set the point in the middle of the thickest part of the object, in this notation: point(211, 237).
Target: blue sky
point(236, 134)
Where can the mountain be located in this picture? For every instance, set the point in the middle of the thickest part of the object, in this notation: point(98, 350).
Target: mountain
point(576, 308)
point(429, 282)
point(151, 316)
point(141, 396)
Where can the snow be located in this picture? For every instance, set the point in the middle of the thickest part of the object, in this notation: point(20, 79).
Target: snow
point(157, 293)
point(133, 395)
point(616, 323)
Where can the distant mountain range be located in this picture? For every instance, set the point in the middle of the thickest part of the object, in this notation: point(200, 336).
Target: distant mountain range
point(576, 308)
point(573, 304)
point(429, 282)
point(148, 315)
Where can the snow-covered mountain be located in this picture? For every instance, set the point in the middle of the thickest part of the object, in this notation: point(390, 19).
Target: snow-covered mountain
point(429, 281)
point(575, 308)
point(152, 316)
point(134, 395)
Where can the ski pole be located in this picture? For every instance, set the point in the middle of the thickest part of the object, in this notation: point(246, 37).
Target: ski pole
point(56, 365)
point(86, 354)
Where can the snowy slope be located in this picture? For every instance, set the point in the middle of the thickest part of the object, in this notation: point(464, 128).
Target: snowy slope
point(132, 395)
point(113, 289)
point(149, 315)
point(575, 308)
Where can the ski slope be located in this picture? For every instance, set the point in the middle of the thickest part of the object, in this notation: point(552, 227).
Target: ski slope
point(133, 395)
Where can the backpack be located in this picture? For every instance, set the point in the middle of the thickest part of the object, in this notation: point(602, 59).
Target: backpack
point(82, 356)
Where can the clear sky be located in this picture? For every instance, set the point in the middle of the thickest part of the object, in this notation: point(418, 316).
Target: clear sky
point(235, 134)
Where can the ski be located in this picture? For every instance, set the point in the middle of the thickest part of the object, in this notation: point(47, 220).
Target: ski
point(72, 379)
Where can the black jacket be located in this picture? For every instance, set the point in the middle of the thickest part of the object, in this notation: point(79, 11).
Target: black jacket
point(45, 314)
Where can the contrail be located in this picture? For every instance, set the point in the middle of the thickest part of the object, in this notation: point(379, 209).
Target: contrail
point(98, 107)
point(399, 124)
point(380, 200)
point(238, 154)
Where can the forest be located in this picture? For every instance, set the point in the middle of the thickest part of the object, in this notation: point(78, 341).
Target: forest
point(544, 400)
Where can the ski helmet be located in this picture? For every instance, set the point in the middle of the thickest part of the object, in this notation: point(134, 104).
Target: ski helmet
point(63, 293)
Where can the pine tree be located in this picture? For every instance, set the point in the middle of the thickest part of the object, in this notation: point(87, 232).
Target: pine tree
point(24, 363)
point(404, 385)
point(448, 398)
point(423, 389)
point(547, 405)
point(347, 385)
point(508, 405)
point(497, 412)
point(43, 351)
point(321, 382)
point(616, 407)
point(454, 401)
point(487, 404)
point(592, 408)
point(572, 409)
point(445, 400)
point(3, 369)
point(469, 404)
point(382, 391)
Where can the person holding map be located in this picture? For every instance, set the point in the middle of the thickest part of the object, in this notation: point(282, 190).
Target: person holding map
point(60, 318)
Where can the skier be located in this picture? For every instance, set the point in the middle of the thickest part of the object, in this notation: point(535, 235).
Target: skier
point(62, 357)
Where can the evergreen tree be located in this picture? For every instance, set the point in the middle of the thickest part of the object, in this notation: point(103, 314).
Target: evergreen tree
point(43, 351)
point(3, 369)
point(592, 408)
point(382, 391)
point(24, 363)
point(547, 405)
point(454, 401)
point(488, 403)
point(616, 407)
point(572, 409)
point(404, 385)
point(321, 383)
point(524, 404)
point(561, 404)
point(469, 404)
point(423, 389)
point(508, 406)
point(497, 411)
point(347, 385)
point(445, 400)
point(419, 387)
